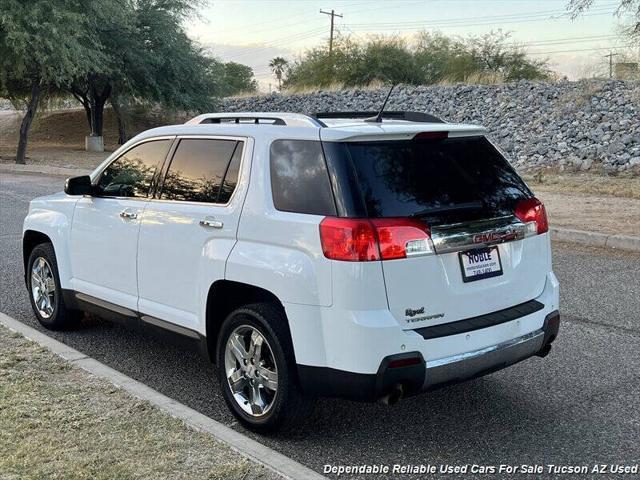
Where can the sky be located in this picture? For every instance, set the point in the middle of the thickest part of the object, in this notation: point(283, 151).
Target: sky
point(252, 32)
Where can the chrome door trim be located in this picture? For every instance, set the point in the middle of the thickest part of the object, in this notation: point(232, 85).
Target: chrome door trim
point(483, 233)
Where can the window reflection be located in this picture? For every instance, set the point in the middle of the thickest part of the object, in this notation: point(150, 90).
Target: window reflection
point(401, 178)
point(299, 178)
point(131, 174)
point(198, 168)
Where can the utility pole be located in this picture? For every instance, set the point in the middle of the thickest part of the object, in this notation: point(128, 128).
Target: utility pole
point(611, 55)
point(333, 15)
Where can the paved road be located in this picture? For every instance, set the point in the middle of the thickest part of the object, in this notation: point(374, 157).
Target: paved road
point(578, 406)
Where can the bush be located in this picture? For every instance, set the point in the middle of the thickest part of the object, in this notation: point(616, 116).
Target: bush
point(431, 58)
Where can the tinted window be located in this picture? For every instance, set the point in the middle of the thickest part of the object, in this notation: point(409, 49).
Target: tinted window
point(438, 179)
point(299, 178)
point(197, 171)
point(231, 178)
point(132, 173)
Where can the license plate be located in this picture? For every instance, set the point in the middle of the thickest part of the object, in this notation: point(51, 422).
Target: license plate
point(480, 263)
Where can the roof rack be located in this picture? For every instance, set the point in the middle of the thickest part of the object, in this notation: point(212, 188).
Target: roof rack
point(418, 117)
point(266, 118)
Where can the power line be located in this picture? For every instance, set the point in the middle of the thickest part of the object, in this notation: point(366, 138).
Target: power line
point(578, 50)
point(493, 18)
point(281, 41)
point(456, 23)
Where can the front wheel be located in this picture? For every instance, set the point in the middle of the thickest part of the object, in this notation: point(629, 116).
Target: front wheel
point(256, 369)
point(45, 292)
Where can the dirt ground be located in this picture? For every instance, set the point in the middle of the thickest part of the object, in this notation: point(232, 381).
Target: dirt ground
point(57, 138)
point(593, 213)
point(582, 201)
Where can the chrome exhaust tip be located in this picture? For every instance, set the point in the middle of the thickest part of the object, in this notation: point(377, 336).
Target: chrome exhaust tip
point(394, 396)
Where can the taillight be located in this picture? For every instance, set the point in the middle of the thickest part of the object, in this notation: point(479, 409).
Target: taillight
point(401, 237)
point(532, 213)
point(352, 240)
point(363, 240)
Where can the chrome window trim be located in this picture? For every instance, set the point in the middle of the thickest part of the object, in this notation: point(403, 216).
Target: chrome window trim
point(177, 138)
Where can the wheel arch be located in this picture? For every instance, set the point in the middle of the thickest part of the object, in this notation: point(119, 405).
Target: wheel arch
point(30, 240)
point(225, 296)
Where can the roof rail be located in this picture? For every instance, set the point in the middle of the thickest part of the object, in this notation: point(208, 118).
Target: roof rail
point(418, 117)
point(266, 118)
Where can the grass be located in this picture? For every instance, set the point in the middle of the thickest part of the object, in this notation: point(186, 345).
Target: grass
point(57, 421)
point(623, 186)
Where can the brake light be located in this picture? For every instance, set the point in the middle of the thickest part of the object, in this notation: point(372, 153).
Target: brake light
point(431, 135)
point(532, 213)
point(364, 240)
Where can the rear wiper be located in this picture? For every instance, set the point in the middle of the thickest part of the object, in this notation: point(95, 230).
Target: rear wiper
point(477, 205)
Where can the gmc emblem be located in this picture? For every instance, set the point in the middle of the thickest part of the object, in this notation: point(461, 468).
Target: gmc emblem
point(491, 237)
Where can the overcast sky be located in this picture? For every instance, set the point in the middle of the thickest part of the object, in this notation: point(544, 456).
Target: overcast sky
point(254, 31)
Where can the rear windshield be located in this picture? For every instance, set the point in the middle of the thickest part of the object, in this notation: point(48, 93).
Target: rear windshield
point(441, 180)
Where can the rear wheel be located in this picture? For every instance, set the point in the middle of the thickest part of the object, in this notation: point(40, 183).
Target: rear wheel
point(45, 292)
point(256, 369)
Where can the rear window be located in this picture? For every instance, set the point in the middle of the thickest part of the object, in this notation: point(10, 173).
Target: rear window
point(441, 180)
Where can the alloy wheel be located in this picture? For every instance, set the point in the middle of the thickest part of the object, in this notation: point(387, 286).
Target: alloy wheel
point(251, 370)
point(43, 287)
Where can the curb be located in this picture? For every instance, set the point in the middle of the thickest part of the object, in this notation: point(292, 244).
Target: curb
point(43, 170)
point(247, 447)
point(628, 243)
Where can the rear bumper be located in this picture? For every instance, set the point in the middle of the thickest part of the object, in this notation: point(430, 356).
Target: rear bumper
point(420, 375)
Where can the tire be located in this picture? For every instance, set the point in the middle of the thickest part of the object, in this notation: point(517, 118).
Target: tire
point(54, 315)
point(281, 411)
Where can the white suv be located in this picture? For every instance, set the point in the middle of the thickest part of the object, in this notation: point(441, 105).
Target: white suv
point(327, 255)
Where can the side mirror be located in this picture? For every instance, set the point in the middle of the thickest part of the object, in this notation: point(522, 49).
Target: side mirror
point(78, 185)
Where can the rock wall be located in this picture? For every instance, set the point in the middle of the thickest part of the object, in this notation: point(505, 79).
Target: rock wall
point(587, 125)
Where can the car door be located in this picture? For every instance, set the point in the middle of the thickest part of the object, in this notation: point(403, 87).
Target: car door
point(104, 232)
point(189, 229)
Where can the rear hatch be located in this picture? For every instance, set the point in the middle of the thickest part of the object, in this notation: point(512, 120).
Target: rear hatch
point(477, 246)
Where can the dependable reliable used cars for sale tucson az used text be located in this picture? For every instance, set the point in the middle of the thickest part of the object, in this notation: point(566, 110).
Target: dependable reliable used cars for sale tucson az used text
point(360, 255)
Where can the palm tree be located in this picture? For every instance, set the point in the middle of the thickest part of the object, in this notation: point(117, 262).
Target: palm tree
point(278, 66)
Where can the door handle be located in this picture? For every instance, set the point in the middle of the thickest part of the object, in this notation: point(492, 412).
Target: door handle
point(128, 214)
point(211, 223)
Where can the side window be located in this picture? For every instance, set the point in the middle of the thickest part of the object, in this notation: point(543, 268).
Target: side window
point(132, 173)
point(198, 170)
point(299, 178)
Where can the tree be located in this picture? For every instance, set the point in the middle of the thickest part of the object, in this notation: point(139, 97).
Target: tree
point(278, 66)
point(238, 78)
point(43, 45)
point(385, 59)
point(492, 53)
point(625, 7)
point(148, 58)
